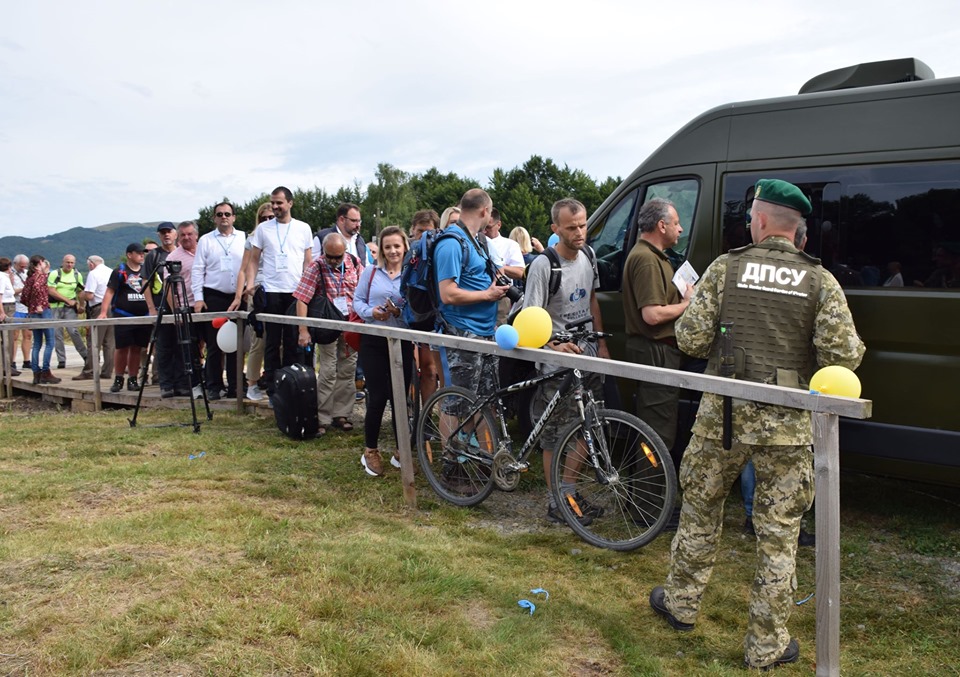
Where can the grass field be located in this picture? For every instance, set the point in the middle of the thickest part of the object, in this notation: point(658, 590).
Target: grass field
point(121, 555)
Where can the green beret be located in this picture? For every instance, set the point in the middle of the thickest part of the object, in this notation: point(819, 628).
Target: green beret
point(782, 193)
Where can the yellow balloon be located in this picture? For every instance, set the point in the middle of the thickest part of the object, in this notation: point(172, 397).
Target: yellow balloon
point(836, 380)
point(534, 327)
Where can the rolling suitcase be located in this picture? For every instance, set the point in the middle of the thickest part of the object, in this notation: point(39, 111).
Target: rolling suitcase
point(295, 401)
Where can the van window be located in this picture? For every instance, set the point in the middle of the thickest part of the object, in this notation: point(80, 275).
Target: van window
point(607, 237)
point(891, 226)
point(683, 193)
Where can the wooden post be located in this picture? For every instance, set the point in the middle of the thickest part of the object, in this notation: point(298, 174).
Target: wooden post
point(5, 360)
point(401, 416)
point(95, 364)
point(240, 355)
point(826, 445)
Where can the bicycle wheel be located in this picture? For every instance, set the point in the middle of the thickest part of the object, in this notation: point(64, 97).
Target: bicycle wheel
point(455, 449)
point(628, 492)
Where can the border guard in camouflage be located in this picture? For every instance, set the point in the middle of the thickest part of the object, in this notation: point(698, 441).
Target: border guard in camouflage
point(790, 317)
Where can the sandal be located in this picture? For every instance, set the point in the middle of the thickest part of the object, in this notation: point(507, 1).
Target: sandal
point(342, 423)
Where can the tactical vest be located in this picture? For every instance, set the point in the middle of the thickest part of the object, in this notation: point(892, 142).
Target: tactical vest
point(770, 294)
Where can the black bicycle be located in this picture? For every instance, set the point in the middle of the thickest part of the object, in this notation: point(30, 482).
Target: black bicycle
point(611, 475)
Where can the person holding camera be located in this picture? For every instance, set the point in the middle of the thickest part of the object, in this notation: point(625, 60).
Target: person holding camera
point(377, 300)
point(469, 290)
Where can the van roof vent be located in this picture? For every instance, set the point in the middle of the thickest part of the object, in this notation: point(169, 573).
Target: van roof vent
point(868, 74)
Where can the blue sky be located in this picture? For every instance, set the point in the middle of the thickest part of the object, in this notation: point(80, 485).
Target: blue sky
point(128, 111)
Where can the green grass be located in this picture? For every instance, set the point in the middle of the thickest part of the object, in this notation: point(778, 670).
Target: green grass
point(120, 555)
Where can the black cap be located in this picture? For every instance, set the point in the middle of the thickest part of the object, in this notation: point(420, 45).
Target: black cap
point(165, 225)
point(135, 247)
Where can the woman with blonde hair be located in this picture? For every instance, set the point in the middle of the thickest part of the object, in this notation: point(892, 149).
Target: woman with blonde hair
point(527, 244)
point(450, 215)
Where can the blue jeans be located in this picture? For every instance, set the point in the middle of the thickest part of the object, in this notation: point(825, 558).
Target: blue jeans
point(45, 336)
point(748, 483)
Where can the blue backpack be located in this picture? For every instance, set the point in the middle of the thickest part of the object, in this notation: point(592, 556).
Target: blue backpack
point(418, 284)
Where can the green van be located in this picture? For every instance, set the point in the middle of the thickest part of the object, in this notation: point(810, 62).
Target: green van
point(881, 166)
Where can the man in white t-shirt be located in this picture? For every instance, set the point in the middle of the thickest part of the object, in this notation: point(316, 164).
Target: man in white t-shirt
point(93, 291)
point(20, 264)
point(285, 245)
point(506, 255)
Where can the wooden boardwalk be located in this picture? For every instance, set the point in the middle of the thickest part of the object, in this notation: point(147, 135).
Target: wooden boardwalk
point(80, 395)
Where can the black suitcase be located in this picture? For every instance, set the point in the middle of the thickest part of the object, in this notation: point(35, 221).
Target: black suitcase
point(295, 401)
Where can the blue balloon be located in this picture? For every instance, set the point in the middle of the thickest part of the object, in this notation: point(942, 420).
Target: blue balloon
point(554, 239)
point(507, 337)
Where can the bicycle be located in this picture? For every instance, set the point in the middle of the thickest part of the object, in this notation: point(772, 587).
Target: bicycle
point(611, 475)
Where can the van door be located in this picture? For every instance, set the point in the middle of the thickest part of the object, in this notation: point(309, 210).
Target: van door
point(613, 232)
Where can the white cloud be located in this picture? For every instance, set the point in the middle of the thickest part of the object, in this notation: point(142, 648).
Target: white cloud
point(121, 111)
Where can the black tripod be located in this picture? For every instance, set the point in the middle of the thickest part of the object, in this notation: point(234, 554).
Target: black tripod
point(174, 293)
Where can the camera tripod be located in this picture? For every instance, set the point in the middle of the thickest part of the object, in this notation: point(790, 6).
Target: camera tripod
point(174, 294)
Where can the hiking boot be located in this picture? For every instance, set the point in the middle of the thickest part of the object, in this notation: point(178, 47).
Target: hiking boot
point(554, 515)
point(166, 394)
point(372, 462)
point(790, 655)
point(117, 385)
point(748, 527)
point(213, 394)
point(47, 377)
point(660, 607)
point(61, 365)
point(83, 376)
point(36, 378)
point(13, 370)
point(133, 384)
point(26, 365)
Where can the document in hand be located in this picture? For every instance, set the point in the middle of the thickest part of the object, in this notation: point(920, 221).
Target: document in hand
point(685, 276)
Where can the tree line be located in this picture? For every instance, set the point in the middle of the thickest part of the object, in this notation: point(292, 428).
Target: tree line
point(523, 195)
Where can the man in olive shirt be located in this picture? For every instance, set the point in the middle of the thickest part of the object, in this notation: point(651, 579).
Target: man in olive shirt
point(652, 305)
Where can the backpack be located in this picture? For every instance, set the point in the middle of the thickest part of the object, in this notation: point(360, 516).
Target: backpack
point(556, 276)
point(418, 285)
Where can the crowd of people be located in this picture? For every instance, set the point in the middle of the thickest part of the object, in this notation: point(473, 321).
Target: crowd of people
point(281, 266)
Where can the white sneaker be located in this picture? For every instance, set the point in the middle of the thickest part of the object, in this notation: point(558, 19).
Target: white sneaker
point(254, 393)
point(395, 460)
point(198, 392)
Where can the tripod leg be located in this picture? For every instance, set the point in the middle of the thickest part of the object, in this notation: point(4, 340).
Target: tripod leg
point(145, 367)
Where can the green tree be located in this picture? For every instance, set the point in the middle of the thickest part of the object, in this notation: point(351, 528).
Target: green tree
point(390, 199)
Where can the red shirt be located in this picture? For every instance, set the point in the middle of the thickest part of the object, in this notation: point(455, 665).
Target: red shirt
point(35, 295)
point(339, 281)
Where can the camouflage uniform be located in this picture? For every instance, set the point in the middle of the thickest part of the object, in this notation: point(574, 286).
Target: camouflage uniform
point(474, 371)
point(778, 440)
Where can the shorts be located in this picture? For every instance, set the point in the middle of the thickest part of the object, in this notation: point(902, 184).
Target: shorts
point(566, 412)
point(477, 372)
point(129, 335)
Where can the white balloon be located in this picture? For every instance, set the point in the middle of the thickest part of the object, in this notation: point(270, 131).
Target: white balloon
point(227, 337)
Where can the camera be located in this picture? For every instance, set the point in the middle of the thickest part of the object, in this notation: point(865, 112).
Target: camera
point(513, 293)
point(173, 267)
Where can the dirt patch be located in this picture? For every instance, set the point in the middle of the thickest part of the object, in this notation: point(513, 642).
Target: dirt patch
point(593, 657)
point(24, 405)
point(515, 512)
point(479, 615)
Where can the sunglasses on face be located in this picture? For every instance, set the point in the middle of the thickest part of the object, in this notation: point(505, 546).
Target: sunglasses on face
point(264, 217)
point(224, 215)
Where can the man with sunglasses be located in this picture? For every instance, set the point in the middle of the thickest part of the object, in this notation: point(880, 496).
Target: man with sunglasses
point(214, 281)
point(284, 244)
point(338, 272)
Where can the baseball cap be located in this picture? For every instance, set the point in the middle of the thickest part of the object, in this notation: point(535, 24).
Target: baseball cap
point(135, 247)
point(165, 225)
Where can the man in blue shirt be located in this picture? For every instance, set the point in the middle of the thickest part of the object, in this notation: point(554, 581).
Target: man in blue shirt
point(469, 293)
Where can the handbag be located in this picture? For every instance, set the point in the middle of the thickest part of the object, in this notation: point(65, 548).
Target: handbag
point(352, 338)
point(321, 308)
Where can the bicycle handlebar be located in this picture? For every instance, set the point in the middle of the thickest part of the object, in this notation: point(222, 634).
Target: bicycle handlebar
point(578, 333)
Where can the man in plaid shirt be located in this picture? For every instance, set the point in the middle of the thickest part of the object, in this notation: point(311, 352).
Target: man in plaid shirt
point(340, 272)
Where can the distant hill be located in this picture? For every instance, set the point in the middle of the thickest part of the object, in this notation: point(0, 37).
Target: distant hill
point(109, 241)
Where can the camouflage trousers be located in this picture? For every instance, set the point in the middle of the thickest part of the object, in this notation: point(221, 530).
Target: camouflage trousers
point(474, 371)
point(784, 492)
